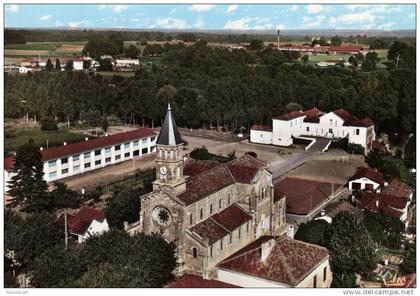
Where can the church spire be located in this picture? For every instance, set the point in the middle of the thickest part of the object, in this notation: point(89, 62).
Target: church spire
point(169, 134)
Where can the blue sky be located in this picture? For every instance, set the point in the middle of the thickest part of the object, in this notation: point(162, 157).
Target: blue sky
point(242, 16)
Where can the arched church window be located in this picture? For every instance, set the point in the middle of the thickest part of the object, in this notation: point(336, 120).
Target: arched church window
point(211, 209)
point(194, 252)
point(201, 213)
point(220, 203)
point(191, 219)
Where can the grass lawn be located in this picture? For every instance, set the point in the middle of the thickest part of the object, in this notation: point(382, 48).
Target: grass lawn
point(325, 57)
point(17, 137)
point(128, 43)
point(112, 73)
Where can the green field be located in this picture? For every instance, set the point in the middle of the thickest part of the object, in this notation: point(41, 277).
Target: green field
point(325, 57)
point(16, 137)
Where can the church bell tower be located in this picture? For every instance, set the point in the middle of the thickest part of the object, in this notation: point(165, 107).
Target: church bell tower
point(169, 157)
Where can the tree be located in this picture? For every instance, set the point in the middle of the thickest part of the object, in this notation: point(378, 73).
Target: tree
point(408, 265)
point(384, 230)
point(63, 197)
point(353, 61)
point(28, 187)
point(57, 65)
point(312, 232)
point(105, 65)
point(87, 64)
point(132, 51)
point(58, 267)
point(149, 259)
point(105, 123)
point(350, 245)
point(49, 66)
point(292, 106)
point(124, 206)
point(256, 44)
point(28, 238)
point(336, 41)
point(344, 280)
point(69, 66)
point(48, 124)
point(305, 59)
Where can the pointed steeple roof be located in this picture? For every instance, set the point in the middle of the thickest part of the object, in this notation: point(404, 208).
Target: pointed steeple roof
point(169, 134)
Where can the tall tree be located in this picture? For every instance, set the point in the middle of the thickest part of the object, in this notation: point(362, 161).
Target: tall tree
point(350, 245)
point(57, 65)
point(28, 187)
point(124, 206)
point(69, 65)
point(49, 66)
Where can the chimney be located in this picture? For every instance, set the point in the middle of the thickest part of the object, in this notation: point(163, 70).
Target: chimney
point(291, 231)
point(86, 138)
point(65, 143)
point(41, 148)
point(266, 248)
point(278, 39)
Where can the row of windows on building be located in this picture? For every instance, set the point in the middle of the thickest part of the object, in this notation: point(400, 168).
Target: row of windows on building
point(76, 168)
point(231, 238)
point(357, 131)
point(210, 209)
point(97, 152)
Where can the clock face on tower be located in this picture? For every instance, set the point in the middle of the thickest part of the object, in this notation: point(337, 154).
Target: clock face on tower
point(163, 170)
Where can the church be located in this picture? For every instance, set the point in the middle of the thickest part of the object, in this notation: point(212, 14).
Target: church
point(212, 211)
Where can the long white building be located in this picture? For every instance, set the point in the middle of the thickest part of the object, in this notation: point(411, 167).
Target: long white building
point(336, 124)
point(76, 158)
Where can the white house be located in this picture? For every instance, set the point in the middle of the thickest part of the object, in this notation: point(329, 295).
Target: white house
point(24, 70)
point(366, 179)
point(121, 62)
point(277, 262)
point(85, 222)
point(76, 158)
point(336, 124)
point(261, 134)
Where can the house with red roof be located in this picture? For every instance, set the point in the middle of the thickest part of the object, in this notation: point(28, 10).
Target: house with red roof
point(80, 157)
point(392, 199)
point(278, 262)
point(334, 125)
point(261, 134)
point(366, 178)
point(84, 222)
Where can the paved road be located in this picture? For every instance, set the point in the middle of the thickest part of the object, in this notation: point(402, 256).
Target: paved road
point(279, 168)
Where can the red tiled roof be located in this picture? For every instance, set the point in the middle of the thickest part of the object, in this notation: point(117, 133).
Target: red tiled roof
point(365, 122)
point(8, 163)
point(312, 112)
point(303, 195)
point(194, 167)
point(346, 48)
point(364, 172)
point(210, 181)
point(290, 115)
point(221, 224)
point(398, 188)
point(79, 222)
point(240, 170)
point(265, 128)
point(379, 202)
point(289, 261)
point(79, 147)
point(195, 281)
point(345, 115)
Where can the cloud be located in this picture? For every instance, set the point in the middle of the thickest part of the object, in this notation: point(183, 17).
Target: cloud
point(114, 8)
point(314, 8)
point(199, 23)
point(382, 8)
point(201, 7)
point(45, 17)
point(313, 22)
point(363, 17)
point(387, 25)
point(169, 22)
point(77, 24)
point(252, 23)
point(231, 8)
point(294, 8)
point(12, 8)
point(356, 6)
point(59, 24)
